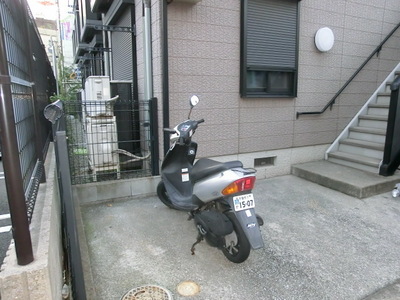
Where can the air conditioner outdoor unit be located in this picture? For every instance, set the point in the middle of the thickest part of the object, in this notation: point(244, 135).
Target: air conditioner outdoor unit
point(102, 145)
point(97, 88)
point(98, 96)
point(100, 125)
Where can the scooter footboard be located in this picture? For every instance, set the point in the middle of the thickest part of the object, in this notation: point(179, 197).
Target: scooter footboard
point(248, 220)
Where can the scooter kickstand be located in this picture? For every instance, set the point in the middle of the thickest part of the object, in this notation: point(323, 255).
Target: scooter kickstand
point(199, 239)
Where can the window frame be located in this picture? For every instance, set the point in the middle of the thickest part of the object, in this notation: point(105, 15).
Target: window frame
point(247, 92)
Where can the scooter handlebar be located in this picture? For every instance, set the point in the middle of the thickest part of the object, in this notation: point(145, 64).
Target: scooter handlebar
point(169, 130)
point(173, 131)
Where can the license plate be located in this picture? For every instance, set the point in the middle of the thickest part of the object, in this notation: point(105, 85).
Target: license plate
point(243, 202)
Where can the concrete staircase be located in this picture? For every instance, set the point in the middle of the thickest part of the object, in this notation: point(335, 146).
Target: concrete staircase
point(361, 143)
point(353, 160)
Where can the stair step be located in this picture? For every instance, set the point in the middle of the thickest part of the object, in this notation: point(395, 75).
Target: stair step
point(372, 162)
point(376, 131)
point(347, 180)
point(383, 98)
point(360, 147)
point(364, 144)
point(374, 117)
point(376, 135)
point(359, 162)
point(376, 105)
point(374, 121)
point(378, 109)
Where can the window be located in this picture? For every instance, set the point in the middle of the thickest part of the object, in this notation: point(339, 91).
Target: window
point(269, 47)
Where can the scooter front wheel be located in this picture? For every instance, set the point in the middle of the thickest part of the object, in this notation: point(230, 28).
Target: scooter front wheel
point(162, 194)
point(236, 247)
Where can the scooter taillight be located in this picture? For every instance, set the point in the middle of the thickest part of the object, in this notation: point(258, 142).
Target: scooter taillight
point(240, 185)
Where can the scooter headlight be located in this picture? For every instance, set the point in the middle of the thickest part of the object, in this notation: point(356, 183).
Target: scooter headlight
point(240, 185)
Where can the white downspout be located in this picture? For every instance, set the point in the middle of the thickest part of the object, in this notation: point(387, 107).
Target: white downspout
point(110, 56)
point(106, 54)
point(148, 71)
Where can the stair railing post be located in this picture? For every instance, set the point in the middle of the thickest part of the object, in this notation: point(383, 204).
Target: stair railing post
point(391, 155)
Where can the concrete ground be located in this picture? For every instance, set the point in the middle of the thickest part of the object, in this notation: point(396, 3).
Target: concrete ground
point(319, 244)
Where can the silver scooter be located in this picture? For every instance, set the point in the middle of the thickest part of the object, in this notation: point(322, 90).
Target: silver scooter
point(218, 196)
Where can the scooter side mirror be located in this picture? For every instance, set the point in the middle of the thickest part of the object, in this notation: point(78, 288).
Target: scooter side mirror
point(194, 100)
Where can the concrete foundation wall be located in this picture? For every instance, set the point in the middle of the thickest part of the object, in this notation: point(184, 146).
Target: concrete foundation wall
point(41, 279)
point(267, 163)
point(107, 190)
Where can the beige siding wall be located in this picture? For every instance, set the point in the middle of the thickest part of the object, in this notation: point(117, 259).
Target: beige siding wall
point(359, 27)
point(204, 59)
point(204, 53)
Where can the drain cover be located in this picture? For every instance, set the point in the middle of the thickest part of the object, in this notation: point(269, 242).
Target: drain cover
point(148, 292)
point(188, 288)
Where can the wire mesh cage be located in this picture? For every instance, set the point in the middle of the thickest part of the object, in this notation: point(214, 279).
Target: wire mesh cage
point(108, 140)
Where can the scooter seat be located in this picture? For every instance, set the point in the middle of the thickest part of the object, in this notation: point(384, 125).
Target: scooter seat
point(205, 167)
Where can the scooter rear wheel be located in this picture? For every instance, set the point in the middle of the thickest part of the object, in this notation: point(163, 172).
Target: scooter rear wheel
point(162, 194)
point(237, 247)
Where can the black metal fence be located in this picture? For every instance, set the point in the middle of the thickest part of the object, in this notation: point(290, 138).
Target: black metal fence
point(27, 82)
point(109, 140)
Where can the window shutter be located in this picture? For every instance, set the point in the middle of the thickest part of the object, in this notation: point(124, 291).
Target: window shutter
point(122, 50)
point(271, 34)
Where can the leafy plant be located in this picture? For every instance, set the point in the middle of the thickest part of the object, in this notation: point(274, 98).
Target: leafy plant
point(68, 83)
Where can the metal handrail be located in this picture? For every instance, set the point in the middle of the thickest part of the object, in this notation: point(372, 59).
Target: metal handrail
point(332, 101)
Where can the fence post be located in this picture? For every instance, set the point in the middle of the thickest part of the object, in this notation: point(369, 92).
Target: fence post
point(69, 218)
point(155, 169)
point(11, 163)
point(55, 114)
